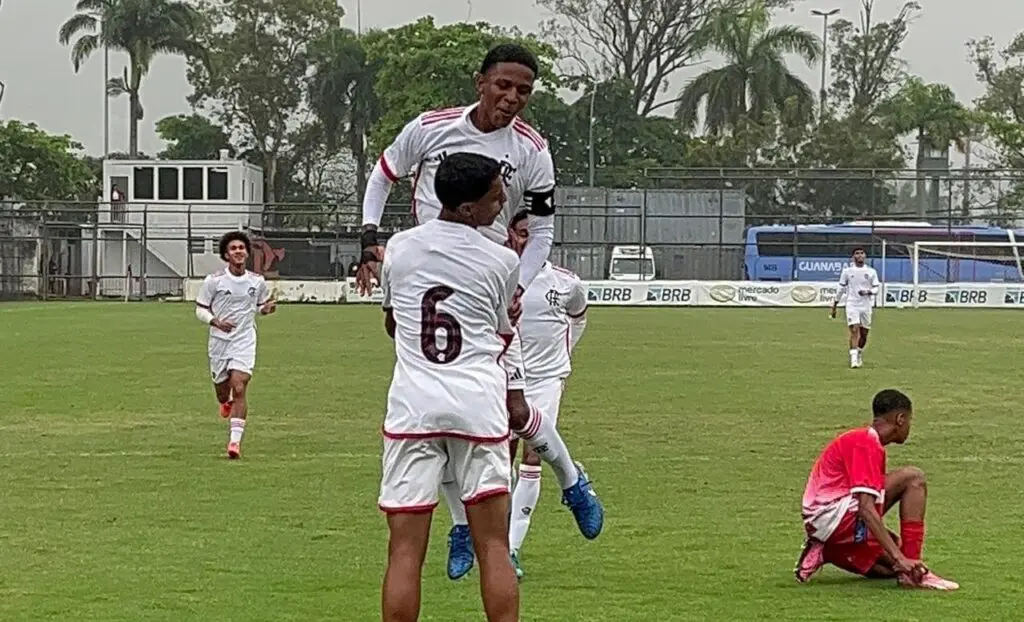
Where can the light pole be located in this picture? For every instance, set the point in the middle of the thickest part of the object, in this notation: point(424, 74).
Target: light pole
point(824, 15)
point(590, 140)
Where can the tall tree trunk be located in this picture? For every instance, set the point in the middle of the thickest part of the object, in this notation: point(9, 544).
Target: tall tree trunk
point(133, 124)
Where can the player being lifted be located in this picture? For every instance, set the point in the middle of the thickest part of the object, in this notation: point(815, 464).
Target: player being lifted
point(228, 301)
point(553, 321)
point(849, 491)
point(447, 290)
point(859, 283)
point(491, 127)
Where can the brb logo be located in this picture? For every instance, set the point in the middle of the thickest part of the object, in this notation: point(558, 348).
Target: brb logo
point(904, 296)
point(1014, 297)
point(662, 294)
point(966, 297)
point(610, 294)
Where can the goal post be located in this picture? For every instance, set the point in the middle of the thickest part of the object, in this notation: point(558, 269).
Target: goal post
point(947, 262)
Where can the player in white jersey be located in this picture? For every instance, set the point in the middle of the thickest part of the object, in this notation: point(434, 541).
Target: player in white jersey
point(859, 283)
point(553, 321)
point(447, 290)
point(491, 127)
point(228, 301)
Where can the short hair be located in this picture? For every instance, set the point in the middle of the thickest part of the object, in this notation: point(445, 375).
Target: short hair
point(464, 178)
point(510, 53)
point(858, 248)
point(232, 236)
point(519, 216)
point(889, 401)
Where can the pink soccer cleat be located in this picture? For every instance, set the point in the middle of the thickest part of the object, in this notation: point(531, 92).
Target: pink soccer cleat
point(225, 410)
point(930, 581)
point(234, 451)
point(812, 558)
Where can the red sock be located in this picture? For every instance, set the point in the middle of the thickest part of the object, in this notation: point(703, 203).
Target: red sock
point(912, 538)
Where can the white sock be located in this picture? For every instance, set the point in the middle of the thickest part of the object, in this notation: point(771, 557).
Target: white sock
point(453, 496)
point(541, 436)
point(524, 501)
point(237, 429)
point(853, 355)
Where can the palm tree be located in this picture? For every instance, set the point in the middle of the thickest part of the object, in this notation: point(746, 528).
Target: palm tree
point(756, 80)
point(342, 97)
point(141, 29)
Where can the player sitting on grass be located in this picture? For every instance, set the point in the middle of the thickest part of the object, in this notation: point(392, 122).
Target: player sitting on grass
point(447, 290)
point(229, 301)
point(849, 491)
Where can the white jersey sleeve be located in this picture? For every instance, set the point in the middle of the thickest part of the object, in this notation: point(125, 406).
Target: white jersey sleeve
point(206, 292)
point(405, 152)
point(262, 292)
point(505, 326)
point(539, 195)
point(576, 310)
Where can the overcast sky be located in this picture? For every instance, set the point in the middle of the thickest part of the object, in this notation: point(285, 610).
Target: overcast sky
point(42, 86)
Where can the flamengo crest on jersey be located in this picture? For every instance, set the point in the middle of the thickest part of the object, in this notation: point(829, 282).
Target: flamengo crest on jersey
point(526, 164)
point(555, 296)
point(448, 289)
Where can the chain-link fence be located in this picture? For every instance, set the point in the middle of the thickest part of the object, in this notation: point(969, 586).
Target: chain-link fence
point(710, 224)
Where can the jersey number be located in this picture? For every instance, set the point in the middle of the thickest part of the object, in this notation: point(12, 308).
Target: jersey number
point(432, 320)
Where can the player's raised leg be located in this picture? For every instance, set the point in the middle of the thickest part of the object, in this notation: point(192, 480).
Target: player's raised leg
point(540, 435)
point(907, 487)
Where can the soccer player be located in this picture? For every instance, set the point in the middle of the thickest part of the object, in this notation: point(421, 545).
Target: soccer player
point(553, 321)
point(447, 290)
point(229, 301)
point(859, 283)
point(490, 127)
point(849, 491)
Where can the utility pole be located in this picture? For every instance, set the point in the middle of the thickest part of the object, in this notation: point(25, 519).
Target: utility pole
point(823, 93)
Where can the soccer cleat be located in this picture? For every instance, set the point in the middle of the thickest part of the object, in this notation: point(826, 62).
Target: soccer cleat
point(234, 451)
point(586, 507)
point(460, 552)
point(811, 560)
point(225, 410)
point(930, 581)
point(516, 566)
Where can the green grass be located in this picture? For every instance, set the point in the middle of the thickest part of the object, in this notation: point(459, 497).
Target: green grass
point(698, 425)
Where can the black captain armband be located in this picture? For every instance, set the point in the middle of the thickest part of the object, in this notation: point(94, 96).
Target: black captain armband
point(541, 203)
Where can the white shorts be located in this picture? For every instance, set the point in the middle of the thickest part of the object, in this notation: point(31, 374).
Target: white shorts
point(414, 468)
point(513, 361)
point(227, 356)
point(858, 316)
point(546, 396)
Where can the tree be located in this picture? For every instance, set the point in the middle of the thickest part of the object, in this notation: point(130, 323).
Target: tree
point(36, 166)
point(931, 111)
point(422, 66)
point(1001, 106)
point(191, 137)
point(642, 41)
point(254, 84)
point(865, 63)
point(755, 80)
point(341, 93)
point(140, 28)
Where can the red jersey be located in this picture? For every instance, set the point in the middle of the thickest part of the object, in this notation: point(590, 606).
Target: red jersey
point(854, 462)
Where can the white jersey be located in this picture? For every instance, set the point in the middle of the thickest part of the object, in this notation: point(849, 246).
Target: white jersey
point(526, 164)
point(449, 289)
point(235, 299)
point(853, 281)
point(554, 300)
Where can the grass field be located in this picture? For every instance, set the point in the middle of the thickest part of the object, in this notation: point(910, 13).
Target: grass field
point(698, 426)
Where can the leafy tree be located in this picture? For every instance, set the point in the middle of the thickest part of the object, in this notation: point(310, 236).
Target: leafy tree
point(37, 166)
point(191, 137)
point(1001, 106)
point(254, 84)
point(643, 42)
point(865, 60)
point(341, 93)
point(422, 66)
point(931, 111)
point(140, 28)
point(755, 79)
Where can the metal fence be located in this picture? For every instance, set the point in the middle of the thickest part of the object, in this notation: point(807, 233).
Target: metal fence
point(694, 221)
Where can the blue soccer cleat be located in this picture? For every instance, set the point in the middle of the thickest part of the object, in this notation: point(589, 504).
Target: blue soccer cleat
point(460, 552)
point(585, 506)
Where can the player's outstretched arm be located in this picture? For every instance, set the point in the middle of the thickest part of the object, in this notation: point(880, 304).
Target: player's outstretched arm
point(540, 202)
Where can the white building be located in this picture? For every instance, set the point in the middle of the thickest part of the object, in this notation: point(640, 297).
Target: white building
point(159, 220)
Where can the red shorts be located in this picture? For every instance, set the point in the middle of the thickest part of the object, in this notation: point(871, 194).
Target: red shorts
point(852, 546)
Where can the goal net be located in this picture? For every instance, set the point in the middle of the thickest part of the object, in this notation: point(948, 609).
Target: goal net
point(963, 273)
